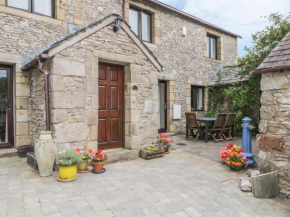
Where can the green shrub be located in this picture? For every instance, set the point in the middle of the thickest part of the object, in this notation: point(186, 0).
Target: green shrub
point(69, 158)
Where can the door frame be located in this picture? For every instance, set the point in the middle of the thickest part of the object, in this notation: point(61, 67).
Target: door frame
point(165, 113)
point(10, 92)
point(123, 101)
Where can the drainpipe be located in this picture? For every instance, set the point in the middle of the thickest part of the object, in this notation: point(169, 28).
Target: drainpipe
point(41, 59)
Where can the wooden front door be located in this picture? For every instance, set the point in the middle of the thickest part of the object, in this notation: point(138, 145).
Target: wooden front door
point(6, 107)
point(111, 106)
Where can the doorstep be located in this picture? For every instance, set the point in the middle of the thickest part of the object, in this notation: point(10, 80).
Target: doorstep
point(8, 152)
point(120, 155)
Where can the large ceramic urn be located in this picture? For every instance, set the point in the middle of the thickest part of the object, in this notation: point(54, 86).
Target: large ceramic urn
point(45, 153)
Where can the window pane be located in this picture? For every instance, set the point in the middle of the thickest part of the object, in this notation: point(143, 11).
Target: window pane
point(21, 4)
point(193, 99)
point(133, 21)
point(200, 99)
point(3, 108)
point(161, 110)
point(146, 27)
point(207, 46)
point(43, 7)
point(213, 48)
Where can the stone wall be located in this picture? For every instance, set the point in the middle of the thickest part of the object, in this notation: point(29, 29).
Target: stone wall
point(274, 141)
point(21, 33)
point(184, 61)
point(74, 90)
point(182, 57)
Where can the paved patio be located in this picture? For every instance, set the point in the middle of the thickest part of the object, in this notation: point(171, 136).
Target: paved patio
point(183, 183)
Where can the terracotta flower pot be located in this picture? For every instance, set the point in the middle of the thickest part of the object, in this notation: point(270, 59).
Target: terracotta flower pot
point(83, 166)
point(166, 149)
point(98, 166)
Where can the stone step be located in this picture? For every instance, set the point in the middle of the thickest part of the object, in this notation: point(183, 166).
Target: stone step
point(122, 155)
point(8, 152)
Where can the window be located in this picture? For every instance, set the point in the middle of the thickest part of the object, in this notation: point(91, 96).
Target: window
point(211, 47)
point(43, 7)
point(197, 98)
point(140, 23)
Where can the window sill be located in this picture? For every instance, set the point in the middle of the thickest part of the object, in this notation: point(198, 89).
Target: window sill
point(24, 14)
point(212, 60)
point(150, 45)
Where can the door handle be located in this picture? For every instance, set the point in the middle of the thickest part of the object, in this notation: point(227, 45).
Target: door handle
point(8, 105)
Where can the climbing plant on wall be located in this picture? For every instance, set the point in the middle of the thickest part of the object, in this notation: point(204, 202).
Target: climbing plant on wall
point(245, 96)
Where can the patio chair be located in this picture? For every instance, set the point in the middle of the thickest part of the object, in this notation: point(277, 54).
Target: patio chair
point(218, 127)
point(226, 132)
point(193, 126)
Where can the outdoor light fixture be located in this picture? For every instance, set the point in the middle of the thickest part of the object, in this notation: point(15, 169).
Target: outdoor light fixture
point(118, 21)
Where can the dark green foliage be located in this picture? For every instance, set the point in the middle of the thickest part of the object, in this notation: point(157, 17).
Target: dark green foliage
point(242, 98)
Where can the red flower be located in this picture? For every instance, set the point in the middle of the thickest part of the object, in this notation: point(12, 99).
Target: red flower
point(90, 151)
point(230, 145)
point(77, 150)
point(165, 136)
point(167, 141)
point(160, 135)
point(242, 150)
point(171, 140)
point(161, 140)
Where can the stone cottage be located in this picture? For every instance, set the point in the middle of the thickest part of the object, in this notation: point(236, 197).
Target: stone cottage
point(273, 142)
point(95, 80)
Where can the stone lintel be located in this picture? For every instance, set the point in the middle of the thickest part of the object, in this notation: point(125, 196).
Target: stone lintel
point(110, 57)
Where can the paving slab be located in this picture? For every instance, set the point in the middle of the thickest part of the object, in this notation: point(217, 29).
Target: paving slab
point(182, 183)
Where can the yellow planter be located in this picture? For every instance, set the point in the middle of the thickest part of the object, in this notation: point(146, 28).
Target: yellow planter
point(68, 173)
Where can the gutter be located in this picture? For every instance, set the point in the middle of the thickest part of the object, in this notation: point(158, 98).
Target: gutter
point(275, 69)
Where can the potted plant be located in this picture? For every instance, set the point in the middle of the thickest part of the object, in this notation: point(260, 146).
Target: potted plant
point(98, 160)
point(68, 162)
point(165, 142)
point(152, 151)
point(233, 157)
point(83, 166)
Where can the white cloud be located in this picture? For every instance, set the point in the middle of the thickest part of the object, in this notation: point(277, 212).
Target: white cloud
point(229, 14)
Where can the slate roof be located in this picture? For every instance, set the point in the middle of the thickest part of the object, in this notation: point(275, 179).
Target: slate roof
point(27, 59)
point(279, 57)
point(227, 75)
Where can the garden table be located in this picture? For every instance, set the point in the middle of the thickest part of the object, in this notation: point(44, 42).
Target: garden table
point(207, 121)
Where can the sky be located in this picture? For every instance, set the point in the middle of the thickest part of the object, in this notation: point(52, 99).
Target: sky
point(243, 17)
